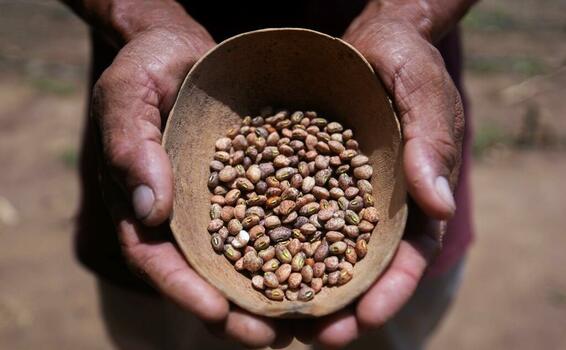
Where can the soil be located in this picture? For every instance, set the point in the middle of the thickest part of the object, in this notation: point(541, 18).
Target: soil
point(514, 292)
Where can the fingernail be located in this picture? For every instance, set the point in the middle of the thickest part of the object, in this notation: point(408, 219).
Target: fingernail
point(444, 191)
point(142, 201)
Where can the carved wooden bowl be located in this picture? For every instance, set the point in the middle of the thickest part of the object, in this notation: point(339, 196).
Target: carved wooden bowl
point(296, 69)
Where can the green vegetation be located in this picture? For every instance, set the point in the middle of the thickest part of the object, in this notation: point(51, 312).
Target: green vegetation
point(53, 86)
point(69, 157)
point(489, 20)
point(487, 136)
point(526, 66)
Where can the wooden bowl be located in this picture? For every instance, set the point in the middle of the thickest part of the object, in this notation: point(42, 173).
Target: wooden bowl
point(295, 69)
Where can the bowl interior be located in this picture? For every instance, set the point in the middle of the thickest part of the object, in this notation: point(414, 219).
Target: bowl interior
point(299, 70)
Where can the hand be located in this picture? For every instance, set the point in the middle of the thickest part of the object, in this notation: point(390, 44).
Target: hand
point(431, 115)
point(131, 101)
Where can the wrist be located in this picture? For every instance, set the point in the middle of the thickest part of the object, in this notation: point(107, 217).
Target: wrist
point(430, 19)
point(121, 21)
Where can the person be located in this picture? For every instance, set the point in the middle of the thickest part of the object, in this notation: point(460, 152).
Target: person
point(150, 296)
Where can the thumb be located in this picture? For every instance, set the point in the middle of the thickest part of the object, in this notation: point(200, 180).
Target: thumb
point(126, 106)
point(430, 110)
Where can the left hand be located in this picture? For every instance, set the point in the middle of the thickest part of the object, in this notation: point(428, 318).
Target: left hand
point(431, 114)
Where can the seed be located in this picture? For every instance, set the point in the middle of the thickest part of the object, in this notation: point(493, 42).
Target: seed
point(281, 161)
point(321, 162)
point(331, 263)
point(261, 243)
point(308, 229)
point(325, 214)
point(350, 255)
point(250, 221)
point(371, 215)
point(295, 280)
point(311, 141)
point(217, 243)
point(345, 276)
point(366, 226)
point(267, 254)
point(215, 211)
point(256, 210)
point(352, 218)
point(334, 236)
point(215, 225)
point(320, 192)
point(283, 254)
point(216, 165)
point(227, 174)
point(359, 160)
point(368, 200)
point(272, 202)
point(351, 231)
point(338, 248)
point(321, 252)
point(234, 226)
point(333, 278)
point(292, 294)
point(306, 273)
point(334, 224)
point(306, 294)
point(241, 239)
point(289, 219)
point(351, 192)
point(298, 261)
point(283, 272)
point(318, 269)
point(270, 266)
point(316, 284)
point(253, 173)
point(223, 144)
point(363, 172)
point(232, 196)
point(308, 184)
point(257, 282)
point(347, 155)
point(322, 176)
point(361, 248)
point(274, 294)
point(336, 146)
point(356, 204)
point(364, 186)
point(279, 234)
point(309, 209)
point(239, 265)
point(270, 280)
point(286, 207)
point(231, 253)
point(271, 222)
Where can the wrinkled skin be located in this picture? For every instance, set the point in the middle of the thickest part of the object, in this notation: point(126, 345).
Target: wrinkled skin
point(134, 95)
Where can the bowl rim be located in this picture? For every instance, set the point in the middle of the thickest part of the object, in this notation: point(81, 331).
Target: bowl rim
point(403, 211)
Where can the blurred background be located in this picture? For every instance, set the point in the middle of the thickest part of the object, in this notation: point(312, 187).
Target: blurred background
point(514, 292)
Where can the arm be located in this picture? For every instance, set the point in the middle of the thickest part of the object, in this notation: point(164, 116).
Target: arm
point(397, 37)
point(158, 42)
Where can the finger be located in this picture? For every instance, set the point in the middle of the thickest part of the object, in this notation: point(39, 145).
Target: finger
point(430, 110)
point(250, 330)
point(125, 104)
point(337, 330)
point(386, 297)
point(162, 265)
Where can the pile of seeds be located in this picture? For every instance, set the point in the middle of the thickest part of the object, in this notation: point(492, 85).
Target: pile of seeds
point(292, 203)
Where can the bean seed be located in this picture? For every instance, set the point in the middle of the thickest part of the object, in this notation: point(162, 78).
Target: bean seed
point(274, 294)
point(361, 248)
point(257, 282)
point(283, 272)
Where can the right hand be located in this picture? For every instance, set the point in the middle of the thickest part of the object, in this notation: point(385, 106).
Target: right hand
point(131, 101)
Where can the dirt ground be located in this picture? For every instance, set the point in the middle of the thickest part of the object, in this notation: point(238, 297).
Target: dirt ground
point(514, 292)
